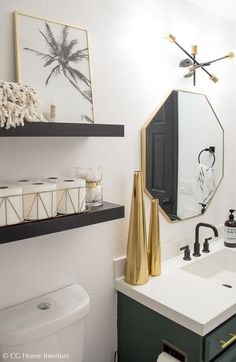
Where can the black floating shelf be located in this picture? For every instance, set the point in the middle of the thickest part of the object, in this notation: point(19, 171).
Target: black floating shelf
point(52, 129)
point(106, 212)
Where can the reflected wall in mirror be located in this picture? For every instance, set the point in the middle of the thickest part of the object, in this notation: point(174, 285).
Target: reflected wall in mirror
point(182, 155)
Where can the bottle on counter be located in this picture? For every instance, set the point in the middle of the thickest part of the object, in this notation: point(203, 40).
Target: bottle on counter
point(230, 231)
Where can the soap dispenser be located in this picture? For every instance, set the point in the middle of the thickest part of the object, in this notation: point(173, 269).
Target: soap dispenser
point(230, 231)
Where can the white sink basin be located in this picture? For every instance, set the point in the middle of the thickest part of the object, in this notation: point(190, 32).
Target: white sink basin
point(219, 267)
point(190, 292)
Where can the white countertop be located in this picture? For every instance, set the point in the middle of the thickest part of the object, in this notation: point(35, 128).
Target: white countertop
point(190, 300)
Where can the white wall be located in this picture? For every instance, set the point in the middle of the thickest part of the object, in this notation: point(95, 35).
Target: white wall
point(133, 69)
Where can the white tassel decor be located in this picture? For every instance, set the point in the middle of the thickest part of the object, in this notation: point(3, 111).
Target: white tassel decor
point(18, 103)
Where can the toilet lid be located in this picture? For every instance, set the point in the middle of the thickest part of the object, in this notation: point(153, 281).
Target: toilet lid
point(43, 316)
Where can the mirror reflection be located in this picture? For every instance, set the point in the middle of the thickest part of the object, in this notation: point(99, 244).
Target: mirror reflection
point(182, 155)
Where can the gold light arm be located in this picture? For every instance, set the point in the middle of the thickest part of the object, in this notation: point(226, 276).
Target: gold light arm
point(194, 50)
point(171, 38)
point(230, 55)
point(213, 78)
point(194, 53)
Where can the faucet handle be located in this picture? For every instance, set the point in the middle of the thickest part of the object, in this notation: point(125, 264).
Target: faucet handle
point(186, 252)
point(206, 245)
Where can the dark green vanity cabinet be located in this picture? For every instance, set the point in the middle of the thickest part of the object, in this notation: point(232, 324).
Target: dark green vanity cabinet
point(142, 330)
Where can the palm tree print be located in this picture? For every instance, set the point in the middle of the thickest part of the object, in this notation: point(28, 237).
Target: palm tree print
point(62, 55)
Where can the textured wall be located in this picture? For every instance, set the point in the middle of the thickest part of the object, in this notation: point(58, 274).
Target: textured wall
point(133, 69)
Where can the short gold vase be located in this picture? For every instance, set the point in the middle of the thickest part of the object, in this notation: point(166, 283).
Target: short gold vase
point(136, 271)
point(154, 250)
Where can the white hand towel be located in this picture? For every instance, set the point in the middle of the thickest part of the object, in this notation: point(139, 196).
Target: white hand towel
point(205, 183)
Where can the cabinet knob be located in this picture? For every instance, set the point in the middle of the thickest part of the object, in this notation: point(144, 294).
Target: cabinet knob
point(166, 201)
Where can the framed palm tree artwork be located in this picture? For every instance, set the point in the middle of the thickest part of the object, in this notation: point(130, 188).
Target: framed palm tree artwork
point(53, 58)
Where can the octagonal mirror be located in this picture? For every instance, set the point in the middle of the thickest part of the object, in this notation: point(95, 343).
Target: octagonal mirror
point(182, 155)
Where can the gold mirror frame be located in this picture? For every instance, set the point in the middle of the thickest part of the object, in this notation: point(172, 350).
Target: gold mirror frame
point(143, 153)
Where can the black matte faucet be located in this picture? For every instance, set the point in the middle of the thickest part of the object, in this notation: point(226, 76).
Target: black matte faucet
point(196, 246)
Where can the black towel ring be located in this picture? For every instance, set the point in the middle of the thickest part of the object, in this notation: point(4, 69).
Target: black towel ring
point(212, 151)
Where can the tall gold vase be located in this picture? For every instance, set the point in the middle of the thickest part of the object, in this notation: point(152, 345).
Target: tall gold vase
point(154, 252)
point(136, 271)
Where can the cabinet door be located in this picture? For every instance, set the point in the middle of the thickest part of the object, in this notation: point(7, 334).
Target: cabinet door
point(213, 341)
point(228, 356)
point(141, 331)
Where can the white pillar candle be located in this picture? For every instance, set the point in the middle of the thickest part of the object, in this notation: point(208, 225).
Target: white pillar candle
point(10, 204)
point(39, 198)
point(71, 195)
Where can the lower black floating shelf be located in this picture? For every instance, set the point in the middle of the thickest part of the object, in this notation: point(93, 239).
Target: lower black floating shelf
point(106, 212)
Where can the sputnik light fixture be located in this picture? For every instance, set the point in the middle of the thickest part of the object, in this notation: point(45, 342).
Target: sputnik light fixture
point(191, 64)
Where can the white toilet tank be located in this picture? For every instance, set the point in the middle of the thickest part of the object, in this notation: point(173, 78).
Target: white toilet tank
point(49, 328)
